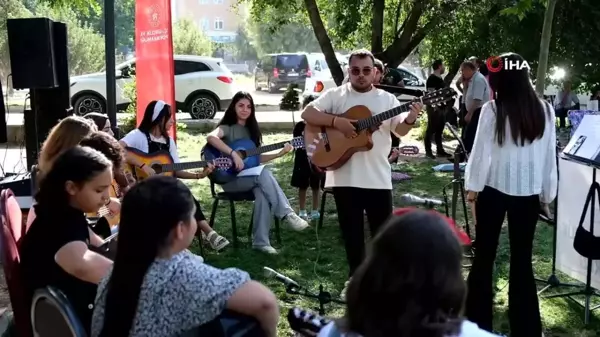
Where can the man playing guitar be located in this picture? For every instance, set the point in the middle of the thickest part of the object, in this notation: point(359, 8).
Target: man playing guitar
point(364, 183)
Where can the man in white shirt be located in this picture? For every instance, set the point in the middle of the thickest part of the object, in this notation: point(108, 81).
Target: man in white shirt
point(364, 183)
point(565, 100)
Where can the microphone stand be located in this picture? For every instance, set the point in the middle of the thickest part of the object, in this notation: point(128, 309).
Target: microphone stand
point(323, 296)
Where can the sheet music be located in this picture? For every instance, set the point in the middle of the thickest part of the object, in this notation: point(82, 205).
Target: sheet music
point(251, 172)
point(585, 143)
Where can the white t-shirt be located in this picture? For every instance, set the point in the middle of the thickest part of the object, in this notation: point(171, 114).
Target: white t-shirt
point(468, 329)
point(368, 169)
point(138, 140)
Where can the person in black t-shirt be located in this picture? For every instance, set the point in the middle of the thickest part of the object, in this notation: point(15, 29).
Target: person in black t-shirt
point(304, 175)
point(435, 116)
point(55, 252)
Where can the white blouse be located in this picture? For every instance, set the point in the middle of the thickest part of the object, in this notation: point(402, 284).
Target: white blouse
point(511, 169)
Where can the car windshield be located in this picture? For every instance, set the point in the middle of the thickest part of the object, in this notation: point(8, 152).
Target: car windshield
point(291, 61)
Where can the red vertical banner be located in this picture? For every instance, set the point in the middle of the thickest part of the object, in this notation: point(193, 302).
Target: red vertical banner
point(154, 56)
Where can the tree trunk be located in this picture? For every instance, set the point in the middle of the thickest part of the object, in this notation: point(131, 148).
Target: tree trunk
point(544, 48)
point(453, 69)
point(377, 26)
point(324, 41)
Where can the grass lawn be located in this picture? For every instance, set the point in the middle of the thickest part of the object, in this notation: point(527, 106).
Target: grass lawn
point(317, 257)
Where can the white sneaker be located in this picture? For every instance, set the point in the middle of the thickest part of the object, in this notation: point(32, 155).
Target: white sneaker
point(266, 249)
point(295, 222)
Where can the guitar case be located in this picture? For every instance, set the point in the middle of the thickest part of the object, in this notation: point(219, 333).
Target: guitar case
point(228, 324)
point(217, 176)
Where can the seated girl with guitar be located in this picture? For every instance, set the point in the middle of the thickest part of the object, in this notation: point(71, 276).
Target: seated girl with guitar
point(410, 284)
point(55, 252)
point(151, 136)
point(109, 147)
point(239, 122)
point(157, 287)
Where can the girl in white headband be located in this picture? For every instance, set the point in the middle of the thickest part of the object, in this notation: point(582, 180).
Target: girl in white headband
point(152, 136)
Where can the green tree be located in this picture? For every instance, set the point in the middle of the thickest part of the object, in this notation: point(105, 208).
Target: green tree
point(290, 100)
point(396, 27)
point(243, 46)
point(291, 36)
point(189, 40)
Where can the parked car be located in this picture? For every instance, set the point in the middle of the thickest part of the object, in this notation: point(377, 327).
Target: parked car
point(203, 86)
point(317, 85)
point(276, 71)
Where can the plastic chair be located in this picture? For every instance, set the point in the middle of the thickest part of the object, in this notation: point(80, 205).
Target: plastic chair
point(10, 236)
point(52, 315)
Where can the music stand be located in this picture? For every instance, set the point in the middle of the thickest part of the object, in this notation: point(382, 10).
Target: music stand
point(590, 202)
point(553, 281)
point(458, 182)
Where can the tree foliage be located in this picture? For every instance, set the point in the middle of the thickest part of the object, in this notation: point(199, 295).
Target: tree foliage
point(274, 35)
point(188, 39)
point(400, 25)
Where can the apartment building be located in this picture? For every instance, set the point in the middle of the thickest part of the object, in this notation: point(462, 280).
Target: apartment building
point(219, 19)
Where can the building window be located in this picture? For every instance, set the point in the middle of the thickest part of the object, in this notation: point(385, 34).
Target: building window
point(218, 1)
point(219, 24)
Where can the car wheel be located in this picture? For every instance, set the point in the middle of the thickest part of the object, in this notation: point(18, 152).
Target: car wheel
point(89, 103)
point(202, 106)
point(256, 86)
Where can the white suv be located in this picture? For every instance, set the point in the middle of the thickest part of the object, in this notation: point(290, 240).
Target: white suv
point(203, 86)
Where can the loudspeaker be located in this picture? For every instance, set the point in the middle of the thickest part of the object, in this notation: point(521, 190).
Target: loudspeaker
point(31, 49)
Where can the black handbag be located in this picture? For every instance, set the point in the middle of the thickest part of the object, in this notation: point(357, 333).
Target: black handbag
point(585, 242)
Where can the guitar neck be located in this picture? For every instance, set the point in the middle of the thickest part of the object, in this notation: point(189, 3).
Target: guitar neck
point(369, 122)
point(184, 166)
point(264, 149)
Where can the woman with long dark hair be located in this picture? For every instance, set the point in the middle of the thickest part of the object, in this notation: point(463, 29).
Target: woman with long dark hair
point(157, 287)
point(55, 250)
point(152, 136)
point(512, 168)
point(239, 122)
point(410, 283)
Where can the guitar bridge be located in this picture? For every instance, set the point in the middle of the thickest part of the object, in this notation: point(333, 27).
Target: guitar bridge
point(324, 139)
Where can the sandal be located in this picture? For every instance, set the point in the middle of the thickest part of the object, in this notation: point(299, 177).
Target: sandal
point(215, 241)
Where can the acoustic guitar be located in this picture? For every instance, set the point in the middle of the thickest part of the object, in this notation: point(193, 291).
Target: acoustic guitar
point(248, 151)
point(162, 163)
point(330, 149)
point(103, 212)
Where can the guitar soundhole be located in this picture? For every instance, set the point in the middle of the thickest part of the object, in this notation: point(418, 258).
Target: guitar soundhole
point(157, 168)
point(242, 153)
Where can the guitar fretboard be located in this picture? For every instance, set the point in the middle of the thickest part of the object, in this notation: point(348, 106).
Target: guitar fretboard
point(184, 166)
point(369, 122)
point(271, 147)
